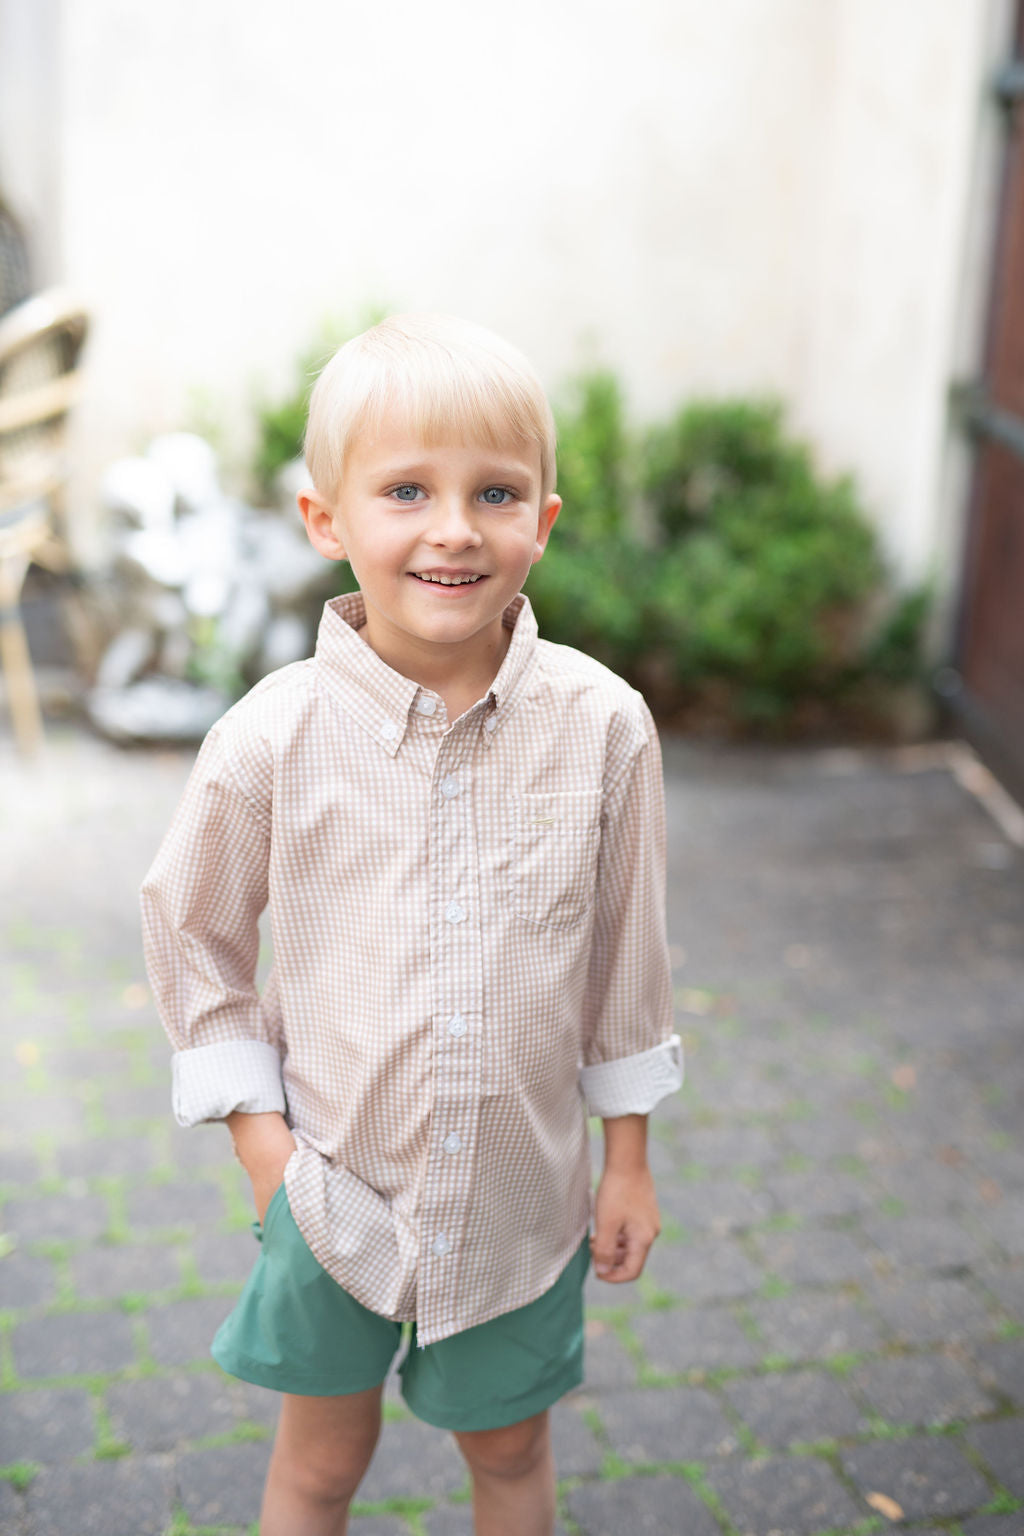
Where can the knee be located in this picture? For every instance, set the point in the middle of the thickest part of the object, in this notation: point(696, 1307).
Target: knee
point(325, 1480)
point(511, 1452)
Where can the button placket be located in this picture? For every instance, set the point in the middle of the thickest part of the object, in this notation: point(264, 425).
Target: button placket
point(456, 961)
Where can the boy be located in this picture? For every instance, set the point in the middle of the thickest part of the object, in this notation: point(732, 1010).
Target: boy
point(459, 832)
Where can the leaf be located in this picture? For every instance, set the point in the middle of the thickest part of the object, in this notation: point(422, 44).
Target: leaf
point(885, 1506)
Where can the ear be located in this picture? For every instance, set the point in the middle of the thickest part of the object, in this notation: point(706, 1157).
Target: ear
point(321, 525)
point(545, 522)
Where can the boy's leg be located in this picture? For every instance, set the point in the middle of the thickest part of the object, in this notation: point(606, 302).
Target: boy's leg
point(322, 1449)
point(513, 1474)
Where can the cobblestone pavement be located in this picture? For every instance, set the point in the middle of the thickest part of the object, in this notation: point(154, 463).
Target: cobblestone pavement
point(830, 1333)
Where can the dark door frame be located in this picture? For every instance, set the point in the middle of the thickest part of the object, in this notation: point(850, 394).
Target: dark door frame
point(992, 409)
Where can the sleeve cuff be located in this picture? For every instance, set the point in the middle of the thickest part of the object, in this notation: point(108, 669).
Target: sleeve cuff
point(633, 1084)
point(211, 1081)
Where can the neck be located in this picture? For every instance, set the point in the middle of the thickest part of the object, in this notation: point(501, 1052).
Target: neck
point(461, 674)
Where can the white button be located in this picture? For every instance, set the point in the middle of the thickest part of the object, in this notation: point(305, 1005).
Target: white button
point(440, 1245)
point(457, 1026)
point(454, 913)
point(389, 731)
point(450, 788)
point(452, 1142)
point(426, 706)
point(491, 723)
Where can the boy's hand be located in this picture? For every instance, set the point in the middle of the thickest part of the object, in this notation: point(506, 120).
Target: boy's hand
point(626, 1220)
point(263, 1145)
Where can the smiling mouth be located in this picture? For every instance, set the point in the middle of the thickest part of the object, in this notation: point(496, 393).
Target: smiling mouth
point(438, 580)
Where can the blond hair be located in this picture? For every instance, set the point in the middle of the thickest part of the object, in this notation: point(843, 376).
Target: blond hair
point(443, 375)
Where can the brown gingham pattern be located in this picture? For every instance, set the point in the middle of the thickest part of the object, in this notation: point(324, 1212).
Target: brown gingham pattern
point(469, 952)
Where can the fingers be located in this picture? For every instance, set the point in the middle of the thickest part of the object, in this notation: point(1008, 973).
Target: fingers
point(619, 1255)
point(606, 1252)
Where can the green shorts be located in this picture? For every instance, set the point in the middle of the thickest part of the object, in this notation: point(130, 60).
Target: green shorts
point(296, 1330)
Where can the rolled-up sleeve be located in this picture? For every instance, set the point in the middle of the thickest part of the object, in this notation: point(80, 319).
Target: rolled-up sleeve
point(631, 1058)
point(201, 903)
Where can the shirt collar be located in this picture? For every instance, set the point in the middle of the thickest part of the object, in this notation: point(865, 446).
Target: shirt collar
point(518, 617)
point(378, 697)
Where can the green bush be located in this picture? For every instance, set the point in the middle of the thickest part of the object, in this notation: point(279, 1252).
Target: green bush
point(281, 429)
point(757, 583)
point(587, 587)
point(766, 571)
point(595, 461)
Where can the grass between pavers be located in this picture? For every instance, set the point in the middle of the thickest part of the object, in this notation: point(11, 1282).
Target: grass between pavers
point(876, 1426)
point(8, 1377)
point(20, 1474)
point(614, 1469)
point(181, 1526)
point(234, 1186)
point(95, 1382)
point(119, 1230)
point(130, 1303)
point(618, 1319)
point(107, 1446)
point(247, 1432)
point(406, 1508)
point(862, 1528)
point(693, 1473)
point(773, 1288)
point(1003, 1502)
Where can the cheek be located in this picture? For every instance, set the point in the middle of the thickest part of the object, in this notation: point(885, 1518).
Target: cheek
point(376, 549)
point(529, 549)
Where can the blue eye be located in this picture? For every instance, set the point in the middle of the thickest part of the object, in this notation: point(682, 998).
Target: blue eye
point(406, 492)
point(496, 496)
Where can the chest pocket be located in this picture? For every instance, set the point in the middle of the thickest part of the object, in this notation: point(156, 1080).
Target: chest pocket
point(554, 857)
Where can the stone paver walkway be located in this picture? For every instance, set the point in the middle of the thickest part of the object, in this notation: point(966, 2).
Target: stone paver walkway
point(830, 1333)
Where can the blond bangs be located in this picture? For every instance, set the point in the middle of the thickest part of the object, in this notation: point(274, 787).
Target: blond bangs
point(440, 375)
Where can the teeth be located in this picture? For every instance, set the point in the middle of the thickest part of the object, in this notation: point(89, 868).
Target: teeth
point(447, 581)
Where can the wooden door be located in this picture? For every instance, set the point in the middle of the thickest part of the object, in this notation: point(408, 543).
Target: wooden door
point(990, 640)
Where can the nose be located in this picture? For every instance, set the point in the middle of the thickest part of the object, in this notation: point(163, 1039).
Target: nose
point(453, 525)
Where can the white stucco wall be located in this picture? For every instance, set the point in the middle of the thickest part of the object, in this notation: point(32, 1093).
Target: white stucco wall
point(745, 196)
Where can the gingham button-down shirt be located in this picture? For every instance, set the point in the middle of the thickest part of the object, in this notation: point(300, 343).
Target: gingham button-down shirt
point(469, 952)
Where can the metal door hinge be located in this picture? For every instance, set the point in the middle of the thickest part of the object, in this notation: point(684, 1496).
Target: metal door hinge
point(1008, 83)
point(979, 416)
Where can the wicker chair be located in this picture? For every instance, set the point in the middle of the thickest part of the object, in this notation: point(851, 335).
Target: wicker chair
point(40, 345)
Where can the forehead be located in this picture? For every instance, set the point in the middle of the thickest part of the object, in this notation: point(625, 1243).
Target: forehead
point(399, 433)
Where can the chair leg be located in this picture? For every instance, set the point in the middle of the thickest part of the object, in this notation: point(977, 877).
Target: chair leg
point(22, 695)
